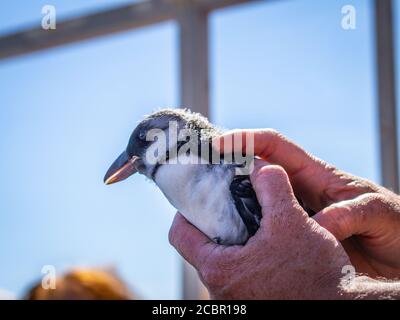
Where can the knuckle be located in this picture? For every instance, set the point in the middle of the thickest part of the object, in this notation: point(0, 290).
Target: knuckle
point(376, 199)
point(271, 132)
point(371, 202)
point(275, 135)
point(377, 203)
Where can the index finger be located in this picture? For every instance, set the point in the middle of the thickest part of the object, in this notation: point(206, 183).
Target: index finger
point(269, 145)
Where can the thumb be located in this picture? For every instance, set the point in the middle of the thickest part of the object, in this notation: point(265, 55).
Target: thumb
point(352, 217)
point(274, 193)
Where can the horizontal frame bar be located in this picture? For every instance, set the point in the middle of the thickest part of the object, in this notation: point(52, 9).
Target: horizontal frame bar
point(102, 23)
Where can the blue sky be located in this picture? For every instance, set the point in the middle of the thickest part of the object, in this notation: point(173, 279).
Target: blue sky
point(67, 113)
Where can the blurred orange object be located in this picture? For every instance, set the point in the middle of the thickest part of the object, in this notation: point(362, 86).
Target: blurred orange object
point(84, 284)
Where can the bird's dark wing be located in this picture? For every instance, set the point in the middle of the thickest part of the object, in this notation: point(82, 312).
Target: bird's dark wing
point(246, 203)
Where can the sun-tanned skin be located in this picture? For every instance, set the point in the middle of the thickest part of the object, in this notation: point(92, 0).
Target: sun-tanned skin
point(292, 255)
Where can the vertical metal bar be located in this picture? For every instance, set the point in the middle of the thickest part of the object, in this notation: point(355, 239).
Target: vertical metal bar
point(193, 23)
point(386, 94)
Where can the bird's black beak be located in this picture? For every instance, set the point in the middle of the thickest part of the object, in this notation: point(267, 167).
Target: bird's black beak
point(121, 169)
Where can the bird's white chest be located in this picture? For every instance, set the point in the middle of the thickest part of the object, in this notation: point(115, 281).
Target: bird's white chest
point(203, 197)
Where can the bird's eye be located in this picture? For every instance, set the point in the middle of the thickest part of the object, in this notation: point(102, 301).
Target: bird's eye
point(142, 135)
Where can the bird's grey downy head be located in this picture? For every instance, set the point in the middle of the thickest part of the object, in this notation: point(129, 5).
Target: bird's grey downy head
point(148, 132)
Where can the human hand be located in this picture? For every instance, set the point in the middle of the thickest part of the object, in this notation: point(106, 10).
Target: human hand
point(290, 256)
point(365, 216)
point(369, 226)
